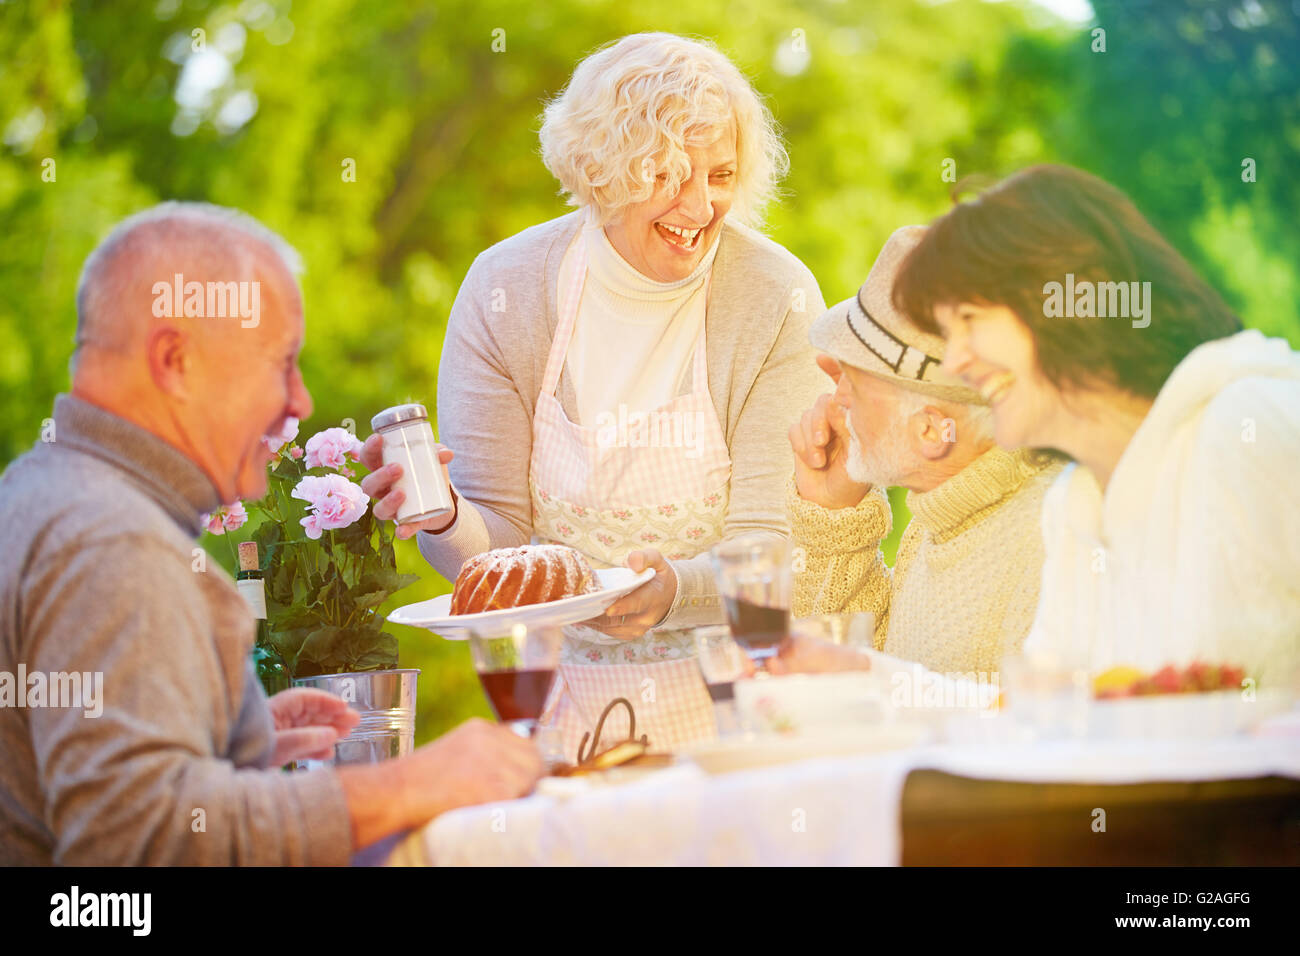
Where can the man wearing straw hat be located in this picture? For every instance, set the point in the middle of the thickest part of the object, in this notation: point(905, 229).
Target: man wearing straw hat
point(963, 590)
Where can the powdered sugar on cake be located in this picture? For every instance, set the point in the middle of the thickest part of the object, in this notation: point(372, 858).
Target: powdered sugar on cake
point(516, 577)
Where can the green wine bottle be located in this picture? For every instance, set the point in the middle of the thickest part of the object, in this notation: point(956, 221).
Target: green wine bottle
point(271, 669)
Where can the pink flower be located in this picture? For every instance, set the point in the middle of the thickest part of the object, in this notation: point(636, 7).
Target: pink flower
point(333, 448)
point(287, 433)
point(295, 452)
point(334, 502)
point(235, 516)
point(226, 518)
point(311, 524)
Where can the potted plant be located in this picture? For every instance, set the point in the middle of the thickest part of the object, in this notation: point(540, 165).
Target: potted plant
point(328, 565)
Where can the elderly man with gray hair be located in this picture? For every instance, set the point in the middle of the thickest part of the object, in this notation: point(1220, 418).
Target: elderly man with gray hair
point(964, 587)
point(176, 759)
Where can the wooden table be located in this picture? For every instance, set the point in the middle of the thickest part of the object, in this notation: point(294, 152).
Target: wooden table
point(953, 820)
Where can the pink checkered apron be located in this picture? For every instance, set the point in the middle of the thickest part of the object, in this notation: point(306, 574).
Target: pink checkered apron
point(607, 497)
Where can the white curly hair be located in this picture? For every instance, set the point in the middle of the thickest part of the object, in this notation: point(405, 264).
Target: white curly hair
point(631, 109)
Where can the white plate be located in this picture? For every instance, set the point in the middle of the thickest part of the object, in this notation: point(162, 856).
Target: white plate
point(436, 614)
point(729, 754)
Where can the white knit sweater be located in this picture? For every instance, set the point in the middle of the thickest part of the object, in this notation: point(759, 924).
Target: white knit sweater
point(1194, 549)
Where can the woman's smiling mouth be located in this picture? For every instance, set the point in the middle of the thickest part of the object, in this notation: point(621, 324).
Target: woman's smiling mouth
point(679, 237)
point(995, 387)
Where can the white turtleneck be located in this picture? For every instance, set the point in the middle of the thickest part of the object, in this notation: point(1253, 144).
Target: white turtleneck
point(633, 339)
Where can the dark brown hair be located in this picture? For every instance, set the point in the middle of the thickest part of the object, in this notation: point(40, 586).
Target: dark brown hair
point(1033, 228)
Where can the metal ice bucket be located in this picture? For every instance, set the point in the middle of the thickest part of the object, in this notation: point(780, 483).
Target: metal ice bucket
point(386, 702)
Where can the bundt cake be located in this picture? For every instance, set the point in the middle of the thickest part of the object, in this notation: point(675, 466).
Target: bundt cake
point(515, 577)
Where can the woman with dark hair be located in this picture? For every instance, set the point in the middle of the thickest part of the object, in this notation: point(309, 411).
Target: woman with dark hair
point(1175, 535)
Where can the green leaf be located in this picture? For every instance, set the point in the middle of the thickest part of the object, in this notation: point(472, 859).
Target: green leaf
point(289, 643)
point(268, 535)
point(289, 618)
point(282, 579)
point(382, 655)
point(321, 644)
point(301, 589)
point(356, 537)
point(383, 579)
point(370, 599)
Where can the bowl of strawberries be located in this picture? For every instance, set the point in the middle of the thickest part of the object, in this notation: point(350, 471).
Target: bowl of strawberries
point(1198, 699)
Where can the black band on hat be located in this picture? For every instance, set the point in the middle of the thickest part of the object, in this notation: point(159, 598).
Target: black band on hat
point(886, 344)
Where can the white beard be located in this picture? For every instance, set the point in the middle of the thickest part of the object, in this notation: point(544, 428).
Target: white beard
point(881, 464)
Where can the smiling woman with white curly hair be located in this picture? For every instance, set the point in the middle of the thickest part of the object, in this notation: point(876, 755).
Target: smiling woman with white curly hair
point(626, 119)
point(620, 379)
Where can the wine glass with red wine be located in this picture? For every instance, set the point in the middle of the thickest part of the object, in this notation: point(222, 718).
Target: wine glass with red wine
point(755, 579)
point(517, 669)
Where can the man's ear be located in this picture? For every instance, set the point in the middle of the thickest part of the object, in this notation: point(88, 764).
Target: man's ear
point(168, 351)
point(830, 366)
point(935, 433)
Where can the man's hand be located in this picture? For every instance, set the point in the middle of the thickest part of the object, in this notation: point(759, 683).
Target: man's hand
point(308, 723)
point(820, 440)
point(633, 614)
point(478, 762)
point(812, 655)
point(379, 485)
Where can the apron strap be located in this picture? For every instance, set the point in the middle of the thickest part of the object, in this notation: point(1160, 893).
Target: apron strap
point(570, 295)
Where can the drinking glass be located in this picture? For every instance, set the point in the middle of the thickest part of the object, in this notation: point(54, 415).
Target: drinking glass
point(722, 663)
point(755, 579)
point(517, 669)
point(1048, 692)
point(852, 630)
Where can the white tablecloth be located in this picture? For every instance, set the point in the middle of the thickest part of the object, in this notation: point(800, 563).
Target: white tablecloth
point(826, 812)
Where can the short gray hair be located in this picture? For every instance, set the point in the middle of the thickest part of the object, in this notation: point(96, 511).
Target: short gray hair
point(197, 228)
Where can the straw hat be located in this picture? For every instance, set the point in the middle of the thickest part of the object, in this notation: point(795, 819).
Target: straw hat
point(867, 332)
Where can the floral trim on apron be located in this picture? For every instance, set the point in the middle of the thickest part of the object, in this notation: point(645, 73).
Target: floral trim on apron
point(608, 498)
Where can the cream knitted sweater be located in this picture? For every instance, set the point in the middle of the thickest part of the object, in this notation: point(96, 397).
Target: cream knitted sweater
point(963, 590)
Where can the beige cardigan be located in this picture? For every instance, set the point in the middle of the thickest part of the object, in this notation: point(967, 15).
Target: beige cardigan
point(762, 375)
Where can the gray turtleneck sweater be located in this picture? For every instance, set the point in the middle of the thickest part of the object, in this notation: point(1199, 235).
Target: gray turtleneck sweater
point(100, 574)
